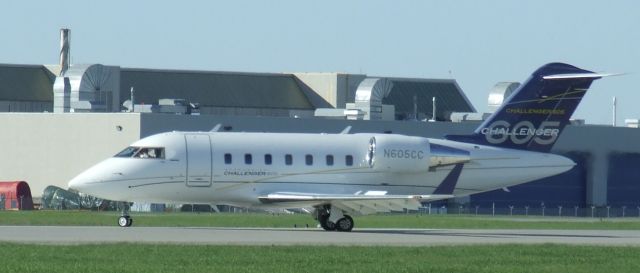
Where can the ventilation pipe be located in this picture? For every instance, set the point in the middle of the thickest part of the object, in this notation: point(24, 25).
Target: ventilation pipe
point(433, 115)
point(499, 93)
point(133, 102)
point(415, 107)
point(614, 111)
point(369, 96)
point(65, 40)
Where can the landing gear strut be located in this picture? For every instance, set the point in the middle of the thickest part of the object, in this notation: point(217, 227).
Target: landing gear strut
point(325, 223)
point(333, 219)
point(125, 220)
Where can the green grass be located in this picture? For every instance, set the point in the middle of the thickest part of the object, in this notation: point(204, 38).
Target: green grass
point(65, 218)
point(198, 258)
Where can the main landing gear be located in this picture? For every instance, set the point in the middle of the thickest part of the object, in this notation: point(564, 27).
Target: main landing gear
point(333, 219)
point(125, 220)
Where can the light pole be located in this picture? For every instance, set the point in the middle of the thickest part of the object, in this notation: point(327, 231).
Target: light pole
point(493, 209)
point(559, 211)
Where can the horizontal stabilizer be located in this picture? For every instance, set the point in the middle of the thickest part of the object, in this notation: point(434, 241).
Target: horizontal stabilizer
point(580, 76)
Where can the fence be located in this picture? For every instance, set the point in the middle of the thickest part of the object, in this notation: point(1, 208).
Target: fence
point(15, 203)
point(557, 211)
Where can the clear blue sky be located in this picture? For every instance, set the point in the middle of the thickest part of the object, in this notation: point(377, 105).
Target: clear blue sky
point(478, 43)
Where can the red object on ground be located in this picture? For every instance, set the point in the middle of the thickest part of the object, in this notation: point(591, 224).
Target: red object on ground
point(15, 195)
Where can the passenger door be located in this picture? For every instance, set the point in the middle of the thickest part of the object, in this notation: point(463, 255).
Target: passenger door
point(198, 160)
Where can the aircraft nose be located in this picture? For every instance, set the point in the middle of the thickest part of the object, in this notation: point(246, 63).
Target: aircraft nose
point(78, 183)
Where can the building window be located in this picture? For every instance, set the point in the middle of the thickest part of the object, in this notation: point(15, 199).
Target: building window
point(348, 160)
point(247, 159)
point(267, 159)
point(329, 160)
point(308, 159)
point(288, 159)
point(227, 159)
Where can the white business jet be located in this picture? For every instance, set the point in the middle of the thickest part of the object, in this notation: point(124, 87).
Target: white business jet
point(343, 175)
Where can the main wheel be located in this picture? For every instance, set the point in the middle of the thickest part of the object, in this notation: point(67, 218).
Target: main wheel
point(130, 222)
point(325, 223)
point(124, 221)
point(345, 223)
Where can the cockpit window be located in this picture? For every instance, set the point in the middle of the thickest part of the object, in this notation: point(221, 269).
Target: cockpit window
point(127, 152)
point(138, 152)
point(157, 153)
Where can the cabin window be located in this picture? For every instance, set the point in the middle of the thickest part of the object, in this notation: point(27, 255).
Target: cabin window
point(308, 159)
point(127, 152)
point(329, 160)
point(227, 159)
point(267, 159)
point(154, 153)
point(288, 159)
point(248, 159)
point(348, 160)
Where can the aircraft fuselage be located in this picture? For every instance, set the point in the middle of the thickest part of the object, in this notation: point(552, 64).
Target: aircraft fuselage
point(237, 168)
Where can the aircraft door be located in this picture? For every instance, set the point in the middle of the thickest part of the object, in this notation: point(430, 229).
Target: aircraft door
point(198, 160)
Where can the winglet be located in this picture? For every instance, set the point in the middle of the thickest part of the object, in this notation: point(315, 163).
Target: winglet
point(216, 128)
point(346, 130)
point(448, 185)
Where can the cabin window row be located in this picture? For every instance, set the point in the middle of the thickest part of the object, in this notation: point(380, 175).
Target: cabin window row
point(288, 159)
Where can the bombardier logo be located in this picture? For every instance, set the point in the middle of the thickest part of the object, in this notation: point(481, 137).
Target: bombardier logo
point(521, 133)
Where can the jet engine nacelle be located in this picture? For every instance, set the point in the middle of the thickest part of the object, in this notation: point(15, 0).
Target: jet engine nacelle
point(396, 153)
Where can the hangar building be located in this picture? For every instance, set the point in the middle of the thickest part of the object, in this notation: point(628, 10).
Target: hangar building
point(58, 120)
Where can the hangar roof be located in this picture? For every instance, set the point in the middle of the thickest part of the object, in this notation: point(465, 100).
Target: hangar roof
point(26, 83)
point(220, 89)
point(235, 89)
point(449, 96)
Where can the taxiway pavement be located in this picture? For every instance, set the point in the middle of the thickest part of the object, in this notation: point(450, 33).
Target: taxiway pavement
point(310, 236)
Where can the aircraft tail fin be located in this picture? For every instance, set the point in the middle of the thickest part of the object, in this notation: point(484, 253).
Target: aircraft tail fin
point(534, 116)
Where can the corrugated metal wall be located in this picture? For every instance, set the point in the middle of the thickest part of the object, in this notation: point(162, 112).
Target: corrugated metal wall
point(624, 179)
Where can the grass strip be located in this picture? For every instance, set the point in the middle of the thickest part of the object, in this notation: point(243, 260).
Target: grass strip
point(199, 258)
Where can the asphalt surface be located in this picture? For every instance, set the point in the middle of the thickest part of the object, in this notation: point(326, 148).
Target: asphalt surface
point(310, 236)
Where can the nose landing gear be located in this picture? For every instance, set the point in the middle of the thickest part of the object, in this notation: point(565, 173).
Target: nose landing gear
point(125, 220)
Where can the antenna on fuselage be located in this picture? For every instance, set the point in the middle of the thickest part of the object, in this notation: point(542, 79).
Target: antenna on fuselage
point(346, 130)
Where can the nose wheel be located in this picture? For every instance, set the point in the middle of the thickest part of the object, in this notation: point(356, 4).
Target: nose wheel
point(125, 220)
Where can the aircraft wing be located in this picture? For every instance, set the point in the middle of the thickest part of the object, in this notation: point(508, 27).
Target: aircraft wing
point(355, 204)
